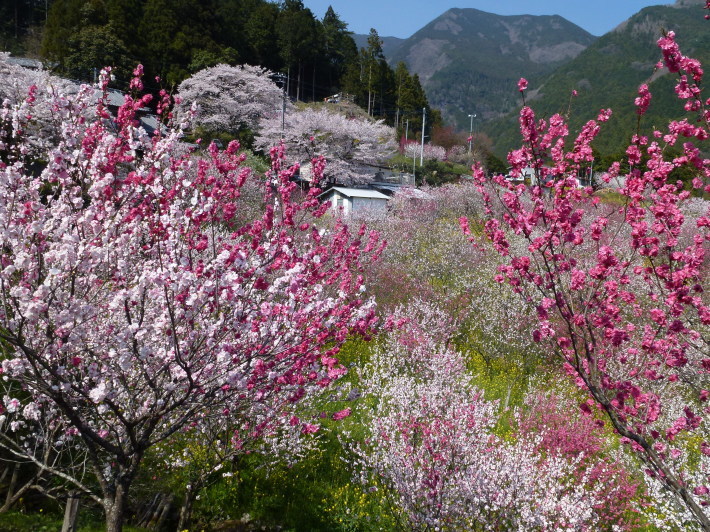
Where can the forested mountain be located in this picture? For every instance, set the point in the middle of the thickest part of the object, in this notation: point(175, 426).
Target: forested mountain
point(609, 72)
point(464, 62)
point(175, 38)
point(468, 59)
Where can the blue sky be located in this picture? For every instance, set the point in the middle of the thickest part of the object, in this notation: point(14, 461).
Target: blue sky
point(400, 18)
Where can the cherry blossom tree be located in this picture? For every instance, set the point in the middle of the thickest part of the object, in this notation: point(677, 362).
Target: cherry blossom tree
point(132, 301)
point(347, 143)
point(431, 151)
point(39, 121)
point(620, 289)
point(230, 98)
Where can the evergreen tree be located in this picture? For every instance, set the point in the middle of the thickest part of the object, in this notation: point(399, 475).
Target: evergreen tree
point(338, 46)
point(18, 18)
point(94, 44)
point(176, 38)
point(353, 80)
point(373, 66)
point(298, 38)
point(63, 19)
point(260, 31)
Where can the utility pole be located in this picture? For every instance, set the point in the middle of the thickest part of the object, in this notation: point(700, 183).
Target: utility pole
point(421, 155)
point(369, 90)
point(414, 167)
point(470, 132)
point(281, 78)
point(591, 173)
point(406, 131)
point(283, 112)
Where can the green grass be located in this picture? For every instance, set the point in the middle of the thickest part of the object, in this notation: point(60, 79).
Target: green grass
point(14, 521)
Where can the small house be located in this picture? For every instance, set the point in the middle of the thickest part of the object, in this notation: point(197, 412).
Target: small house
point(349, 200)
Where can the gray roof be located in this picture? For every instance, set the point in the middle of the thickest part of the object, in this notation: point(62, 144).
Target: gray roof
point(357, 193)
point(25, 62)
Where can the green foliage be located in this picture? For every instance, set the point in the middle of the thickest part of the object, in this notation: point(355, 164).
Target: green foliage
point(97, 45)
point(352, 509)
point(339, 47)
point(437, 173)
point(174, 38)
point(297, 34)
point(35, 522)
point(41, 521)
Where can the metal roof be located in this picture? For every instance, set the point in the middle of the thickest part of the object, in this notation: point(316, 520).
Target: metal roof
point(357, 193)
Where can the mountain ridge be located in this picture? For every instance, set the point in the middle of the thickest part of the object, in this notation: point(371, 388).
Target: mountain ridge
point(608, 73)
point(469, 62)
point(466, 58)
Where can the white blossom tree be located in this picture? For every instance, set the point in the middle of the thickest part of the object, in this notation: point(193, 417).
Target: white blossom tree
point(37, 88)
point(230, 98)
point(346, 143)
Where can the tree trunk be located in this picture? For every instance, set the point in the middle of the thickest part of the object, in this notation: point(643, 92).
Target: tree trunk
point(17, 21)
point(164, 511)
point(675, 485)
point(298, 83)
point(10, 496)
point(186, 509)
point(115, 508)
point(145, 514)
point(13, 483)
point(5, 471)
point(13, 495)
point(71, 512)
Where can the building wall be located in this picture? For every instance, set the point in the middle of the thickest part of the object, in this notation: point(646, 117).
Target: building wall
point(368, 203)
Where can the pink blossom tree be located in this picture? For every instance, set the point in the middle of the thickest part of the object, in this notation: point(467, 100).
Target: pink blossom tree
point(348, 144)
point(230, 98)
point(132, 301)
point(620, 290)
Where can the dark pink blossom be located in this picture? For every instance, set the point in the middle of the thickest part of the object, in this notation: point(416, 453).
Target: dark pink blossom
point(342, 414)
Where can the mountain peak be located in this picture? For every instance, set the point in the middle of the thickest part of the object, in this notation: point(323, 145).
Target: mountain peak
point(467, 58)
point(688, 3)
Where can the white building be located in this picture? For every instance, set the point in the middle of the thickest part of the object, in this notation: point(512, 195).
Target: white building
point(346, 201)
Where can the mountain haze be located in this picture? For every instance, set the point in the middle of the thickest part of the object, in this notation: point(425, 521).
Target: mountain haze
point(468, 60)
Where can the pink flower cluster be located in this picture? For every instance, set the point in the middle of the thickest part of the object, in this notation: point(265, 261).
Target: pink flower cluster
point(138, 298)
point(432, 443)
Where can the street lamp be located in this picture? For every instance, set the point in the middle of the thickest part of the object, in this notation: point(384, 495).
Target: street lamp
point(470, 132)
